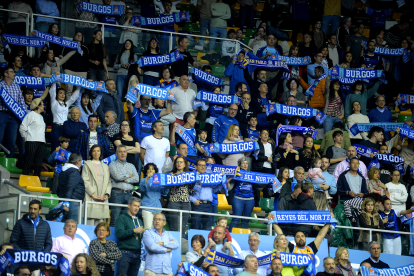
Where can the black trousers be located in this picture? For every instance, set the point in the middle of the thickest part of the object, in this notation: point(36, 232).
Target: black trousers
point(34, 157)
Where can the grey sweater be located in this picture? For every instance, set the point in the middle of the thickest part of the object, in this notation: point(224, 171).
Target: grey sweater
point(220, 12)
point(123, 60)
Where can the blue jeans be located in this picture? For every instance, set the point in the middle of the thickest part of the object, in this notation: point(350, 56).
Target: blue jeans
point(42, 26)
point(150, 80)
point(201, 222)
point(119, 198)
point(9, 125)
point(97, 74)
point(241, 208)
point(214, 32)
point(246, 11)
point(165, 45)
point(333, 20)
point(120, 80)
point(129, 263)
point(329, 122)
point(73, 212)
point(204, 26)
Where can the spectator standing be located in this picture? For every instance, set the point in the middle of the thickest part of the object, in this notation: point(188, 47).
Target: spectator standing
point(32, 130)
point(203, 9)
point(369, 218)
point(233, 136)
point(182, 150)
point(376, 136)
point(336, 153)
point(126, 138)
point(305, 202)
point(17, 21)
point(288, 203)
point(185, 97)
point(104, 252)
point(111, 101)
point(289, 157)
point(247, 8)
point(159, 243)
point(68, 244)
point(398, 192)
point(82, 26)
point(46, 7)
point(307, 48)
point(343, 32)
point(71, 185)
point(380, 114)
point(155, 148)
point(228, 48)
point(236, 74)
point(310, 69)
point(334, 105)
point(127, 33)
point(31, 232)
point(73, 128)
point(354, 43)
point(164, 38)
point(50, 65)
point(220, 12)
point(331, 16)
point(9, 123)
point(317, 35)
point(223, 123)
point(352, 183)
point(359, 95)
point(95, 175)
point(98, 69)
point(354, 118)
point(253, 252)
point(292, 85)
point(307, 154)
point(335, 52)
point(83, 264)
point(221, 246)
point(189, 123)
point(128, 231)
point(180, 67)
point(125, 56)
point(113, 128)
point(264, 161)
point(374, 249)
point(123, 177)
point(330, 182)
point(161, 105)
point(395, 34)
point(152, 73)
point(259, 40)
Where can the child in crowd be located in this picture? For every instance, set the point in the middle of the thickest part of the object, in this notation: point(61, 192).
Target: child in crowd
point(221, 221)
point(58, 162)
point(315, 174)
point(392, 242)
point(202, 144)
point(251, 133)
point(239, 35)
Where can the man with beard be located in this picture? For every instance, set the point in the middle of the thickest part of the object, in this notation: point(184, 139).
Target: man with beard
point(329, 266)
point(276, 266)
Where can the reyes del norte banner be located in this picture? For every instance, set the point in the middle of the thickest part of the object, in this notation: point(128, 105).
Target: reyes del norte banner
point(301, 217)
point(21, 40)
point(162, 20)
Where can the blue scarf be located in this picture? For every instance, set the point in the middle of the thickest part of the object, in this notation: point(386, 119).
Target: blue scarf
point(155, 92)
point(171, 85)
point(109, 159)
point(400, 3)
point(211, 179)
point(162, 179)
point(295, 60)
point(19, 111)
point(164, 20)
point(230, 148)
point(22, 40)
point(264, 63)
point(78, 81)
point(311, 89)
point(301, 217)
point(290, 110)
point(361, 127)
point(59, 40)
point(182, 132)
point(188, 269)
point(31, 82)
point(404, 98)
point(391, 52)
point(258, 178)
point(355, 73)
point(296, 129)
point(200, 75)
point(402, 270)
point(406, 217)
point(407, 132)
point(132, 95)
point(101, 9)
point(62, 156)
point(213, 168)
point(158, 59)
point(215, 98)
point(31, 258)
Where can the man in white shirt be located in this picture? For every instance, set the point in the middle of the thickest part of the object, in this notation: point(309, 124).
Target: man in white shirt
point(69, 245)
point(185, 99)
point(155, 148)
point(334, 50)
point(254, 241)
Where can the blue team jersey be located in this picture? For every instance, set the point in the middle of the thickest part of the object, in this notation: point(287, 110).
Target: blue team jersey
point(371, 61)
point(215, 111)
point(252, 134)
point(378, 17)
point(143, 122)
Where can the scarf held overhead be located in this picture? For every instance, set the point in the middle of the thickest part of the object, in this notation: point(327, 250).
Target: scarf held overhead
point(295, 60)
point(21, 40)
point(165, 20)
point(19, 111)
point(59, 40)
point(258, 178)
point(362, 127)
point(155, 92)
point(230, 148)
point(355, 74)
point(215, 98)
point(101, 9)
point(159, 59)
point(264, 63)
point(31, 82)
point(296, 129)
point(213, 168)
point(290, 110)
point(391, 52)
point(200, 75)
point(309, 92)
point(186, 137)
point(78, 81)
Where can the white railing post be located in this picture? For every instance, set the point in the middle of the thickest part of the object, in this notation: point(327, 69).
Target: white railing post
point(181, 225)
point(370, 235)
point(170, 46)
point(18, 206)
point(237, 47)
point(31, 30)
point(103, 33)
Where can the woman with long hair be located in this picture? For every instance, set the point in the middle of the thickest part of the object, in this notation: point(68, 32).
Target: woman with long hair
point(152, 73)
point(123, 60)
point(83, 102)
point(348, 61)
point(50, 65)
point(307, 153)
point(98, 185)
point(56, 48)
point(374, 184)
point(292, 86)
point(369, 218)
point(334, 105)
point(354, 118)
point(126, 138)
point(83, 265)
point(398, 191)
point(132, 79)
point(166, 77)
point(289, 157)
point(280, 244)
point(282, 176)
point(180, 195)
point(295, 70)
point(326, 61)
point(98, 69)
point(233, 136)
point(342, 264)
point(85, 17)
point(103, 251)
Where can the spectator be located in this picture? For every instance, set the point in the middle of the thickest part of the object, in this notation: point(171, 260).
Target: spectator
point(288, 203)
point(98, 69)
point(277, 268)
point(331, 15)
point(348, 63)
point(203, 10)
point(247, 118)
point(180, 195)
point(82, 26)
point(343, 165)
point(155, 148)
point(243, 201)
point(307, 153)
point(330, 269)
point(123, 177)
point(83, 264)
point(336, 153)
point(152, 73)
point(166, 77)
point(71, 185)
point(77, 64)
point(292, 85)
point(219, 245)
point(223, 123)
point(111, 101)
point(73, 128)
point(180, 67)
point(31, 232)
point(98, 185)
point(401, 70)
point(213, 112)
point(380, 114)
point(46, 7)
point(213, 270)
point(9, 122)
point(151, 194)
point(289, 157)
point(371, 60)
point(32, 130)
point(307, 48)
point(68, 244)
point(165, 10)
point(328, 138)
point(17, 21)
point(159, 243)
point(189, 123)
point(197, 255)
point(91, 137)
point(160, 105)
point(298, 177)
point(185, 97)
point(342, 264)
point(310, 69)
point(253, 253)
point(369, 218)
point(85, 107)
point(228, 48)
point(359, 95)
point(127, 33)
point(247, 8)
point(352, 183)
point(264, 161)
point(374, 249)
point(317, 35)
point(271, 50)
point(122, 62)
point(343, 32)
point(354, 118)
point(104, 252)
point(259, 40)
point(251, 266)
point(304, 201)
point(355, 42)
point(397, 191)
point(330, 183)
point(394, 35)
point(376, 136)
point(58, 164)
point(182, 150)
point(336, 53)
point(18, 66)
point(353, 207)
point(16, 270)
point(374, 184)
point(236, 74)
point(220, 12)
point(112, 127)
point(233, 136)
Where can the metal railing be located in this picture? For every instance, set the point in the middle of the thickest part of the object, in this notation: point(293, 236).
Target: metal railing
point(5, 181)
point(28, 17)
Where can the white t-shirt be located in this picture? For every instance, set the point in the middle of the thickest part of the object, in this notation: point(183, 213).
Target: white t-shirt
point(93, 139)
point(268, 153)
point(155, 150)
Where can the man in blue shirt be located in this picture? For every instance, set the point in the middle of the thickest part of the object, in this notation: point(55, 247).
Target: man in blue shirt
point(271, 49)
point(223, 123)
point(318, 56)
point(369, 60)
point(201, 200)
point(164, 39)
point(235, 73)
point(158, 244)
point(189, 123)
point(380, 114)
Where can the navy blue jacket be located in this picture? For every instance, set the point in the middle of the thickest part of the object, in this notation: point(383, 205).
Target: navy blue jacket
point(111, 102)
point(82, 144)
point(71, 184)
point(343, 187)
point(23, 237)
point(72, 129)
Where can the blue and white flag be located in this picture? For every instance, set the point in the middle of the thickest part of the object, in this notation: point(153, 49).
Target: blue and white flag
point(311, 89)
point(355, 74)
point(290, 110)
point(301, 217)
point(215, 98)
point(34, 258)
point(62, 156)
point(387, 127)
point(21, 40)
point(211, 179)
point(184, 178)
point(32, 82)
point(400, 3)
point(188, 269)
point(101, 9)
point(159, 59)
point(171, 85)
point(405, 98)
point(78, 81)
point(258, 178)
point(364, 151)
point(59, 40)
point(19, 111)
point(264, 63)
point(155, 92)
point(109, 159)
point(296, 129)
point(213, 168)
point(407, 132)
point(206, 77)
point(186, 137)
point(295, 60)
point(230, 148)
point(164, 20)
point(132, 95)
point(406, 270)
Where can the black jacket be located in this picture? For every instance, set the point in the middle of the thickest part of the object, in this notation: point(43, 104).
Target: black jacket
point(287, 188)
point(257, 165)
point(290, 161)
point(23, 237)
point(71, 184)
point(306, 203)
point(343, 186)
point(379, 265)
point(287, 203)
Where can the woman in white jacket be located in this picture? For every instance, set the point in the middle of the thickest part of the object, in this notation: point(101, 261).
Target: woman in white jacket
point(355, 118)
point(398, 192)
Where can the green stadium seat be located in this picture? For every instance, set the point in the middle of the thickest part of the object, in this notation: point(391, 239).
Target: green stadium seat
point(317, 142)
point(255, 223)
point(50, 203)
point(403, 118)
point(2, 154)
point(10, 165)
point(246, 40)
point(264, 232)
point(166, 226)
point(266, 204)
point(191, 28)
point(250, 32)
point(218, 71)
point(224, 212)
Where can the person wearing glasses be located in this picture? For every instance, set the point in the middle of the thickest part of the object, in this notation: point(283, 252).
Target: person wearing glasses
point(104, 252)
point(128, 34)
point(318, 56)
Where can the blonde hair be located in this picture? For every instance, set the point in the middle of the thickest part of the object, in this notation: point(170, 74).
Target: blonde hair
point(321, 202)
point(230, 132)
point(276, 240)
point(338, 254)
point(366, 201)
point(90, 265)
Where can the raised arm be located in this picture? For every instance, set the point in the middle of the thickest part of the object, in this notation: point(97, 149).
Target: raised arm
point(321, 235)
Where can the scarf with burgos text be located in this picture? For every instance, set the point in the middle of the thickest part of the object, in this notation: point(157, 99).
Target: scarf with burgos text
point(362, 127)
point(101, 9)
point(11, 103)
point(295, 60)
point(258, 178)
point(21, 40)
point(405, 98)
point(33, 258)
point(58, 40)
point(290, 110)
point(149, 91)
point(158, 59)
point(311, 89)
point(214, 98)
point(231, 148)
point(164, 20)
point(407, 132)
point(405, 270)
point(200, 75)
point(78, 81)
point(355, 74)
point(214, 168)
point(32, 82)
point(296, 129)
point(391, 52)
point(188, 269)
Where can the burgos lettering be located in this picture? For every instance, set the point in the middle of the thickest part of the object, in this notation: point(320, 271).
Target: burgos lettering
point(35, 257)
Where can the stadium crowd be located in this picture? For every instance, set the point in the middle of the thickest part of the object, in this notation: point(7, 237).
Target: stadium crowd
point(103, 144)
